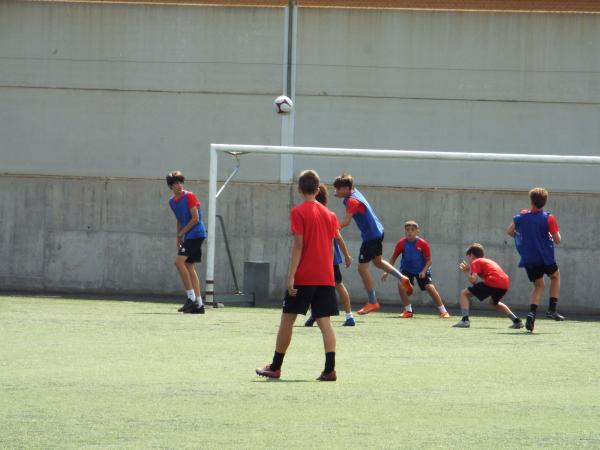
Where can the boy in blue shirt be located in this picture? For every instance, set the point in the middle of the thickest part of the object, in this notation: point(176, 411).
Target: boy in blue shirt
point(371, 231)
point(416, 265)
point(535, 232)
point(190, 235)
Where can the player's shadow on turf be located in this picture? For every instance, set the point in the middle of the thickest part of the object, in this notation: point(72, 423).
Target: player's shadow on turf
point(522, 334)
point(279, 380)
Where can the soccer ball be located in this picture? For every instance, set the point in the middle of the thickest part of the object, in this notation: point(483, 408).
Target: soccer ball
point(283, 105)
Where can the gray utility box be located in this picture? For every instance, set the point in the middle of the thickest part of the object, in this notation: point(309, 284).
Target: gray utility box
point(256, 281)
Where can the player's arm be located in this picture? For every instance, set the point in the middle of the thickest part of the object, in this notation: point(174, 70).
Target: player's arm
point(340, 240)
point(397, 251)
point(346, 220)
point(191, 224)
point(553, 229)
point(511, 229)
point(294, 261)
point(466, 269)
point(177, 235)
point(428, 263)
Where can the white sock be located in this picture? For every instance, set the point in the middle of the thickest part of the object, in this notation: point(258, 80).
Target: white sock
point(199, 300)
point(408, 308)
point(349, 315)
point(442, 309)
point(190, 294)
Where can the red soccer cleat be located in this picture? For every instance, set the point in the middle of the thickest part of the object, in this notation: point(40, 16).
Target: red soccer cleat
point(331, 376)
point(406, 314)
point(267, 372)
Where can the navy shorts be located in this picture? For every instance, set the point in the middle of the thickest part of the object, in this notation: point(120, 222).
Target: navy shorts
point(537, 272)
point(320, 299)
point(370, 249)
point(483, 291)
point(337, 275)
point(192, 248)
point(422, 282)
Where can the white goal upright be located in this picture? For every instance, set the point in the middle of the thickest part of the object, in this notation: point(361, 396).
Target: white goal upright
point(237, 150)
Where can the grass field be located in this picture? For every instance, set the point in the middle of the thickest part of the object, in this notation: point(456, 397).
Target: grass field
point(118, 374)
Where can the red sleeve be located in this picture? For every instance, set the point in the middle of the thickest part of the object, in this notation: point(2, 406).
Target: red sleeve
point(296, 223)
point(192, 200)
point(423, 245)
point(353, 206)
point(399, 248)
point(552, 224)
point(476, 266)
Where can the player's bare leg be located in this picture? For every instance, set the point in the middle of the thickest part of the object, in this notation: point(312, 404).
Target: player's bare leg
point(329, 343)
point(437, 299)
point(407, 313)
point(503, 308)
point(465, 303)
point(552, 313)
point(369, 284)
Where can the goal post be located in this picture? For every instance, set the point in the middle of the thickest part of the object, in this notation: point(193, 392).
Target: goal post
point(234, 150)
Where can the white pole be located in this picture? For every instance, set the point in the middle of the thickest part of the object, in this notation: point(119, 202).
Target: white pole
point(212, 217)
point(286, 162)
point(410, 154)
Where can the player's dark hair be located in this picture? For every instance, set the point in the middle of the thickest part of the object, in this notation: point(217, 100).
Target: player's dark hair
point(174, 177)
point(476, 250)
point(322, 196)
point(308, 182)
point(343, 180)
point(538, 197)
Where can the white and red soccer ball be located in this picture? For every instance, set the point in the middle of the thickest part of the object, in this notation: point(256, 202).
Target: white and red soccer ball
point(283, 104)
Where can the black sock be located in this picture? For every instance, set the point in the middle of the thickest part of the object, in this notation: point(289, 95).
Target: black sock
point(277, 361)
point(533, 309)
point(465, 318)
point(516, 320)
point(553, 302)
point(329, 362)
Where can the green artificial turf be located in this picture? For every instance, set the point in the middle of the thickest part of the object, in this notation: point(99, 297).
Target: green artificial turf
point(119, 374)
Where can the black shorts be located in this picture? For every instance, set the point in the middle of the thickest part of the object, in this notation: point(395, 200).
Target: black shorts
point(537, 272)
point(370, 249)
point(421, 281)
point(192, 248)
point(321, 300)
point(337, 275)
point(483, 291)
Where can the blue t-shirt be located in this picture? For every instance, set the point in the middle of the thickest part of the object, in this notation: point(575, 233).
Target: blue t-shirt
point(337, 254)
point(533, 240)
point(181, 208)
point(369, 225)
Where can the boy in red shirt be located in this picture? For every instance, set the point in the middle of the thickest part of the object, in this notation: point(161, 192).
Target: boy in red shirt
point(310, 276)
point(495, 284)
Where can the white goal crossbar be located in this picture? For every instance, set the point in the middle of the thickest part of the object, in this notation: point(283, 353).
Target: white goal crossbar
point(354, 153)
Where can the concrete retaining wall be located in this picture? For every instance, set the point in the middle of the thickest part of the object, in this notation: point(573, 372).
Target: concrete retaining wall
point(117, 236)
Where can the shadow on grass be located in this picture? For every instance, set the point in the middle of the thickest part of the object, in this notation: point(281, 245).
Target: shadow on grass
point(279, 380)
point(526, 333)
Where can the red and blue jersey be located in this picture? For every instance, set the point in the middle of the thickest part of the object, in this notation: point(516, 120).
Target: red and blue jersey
point(533, 237)
point(414, 255)
point(181, 208)
point(369, 225)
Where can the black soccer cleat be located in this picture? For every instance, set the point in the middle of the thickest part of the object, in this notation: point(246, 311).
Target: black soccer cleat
point(188, 304)
point(530, 322)
point(554, 315)
point(196, 310)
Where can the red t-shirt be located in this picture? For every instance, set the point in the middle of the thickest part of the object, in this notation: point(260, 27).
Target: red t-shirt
point(318, 226)
point(491, 273)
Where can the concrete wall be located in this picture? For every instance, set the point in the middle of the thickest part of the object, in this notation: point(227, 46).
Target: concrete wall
point(117, 236)
point(91, 91)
